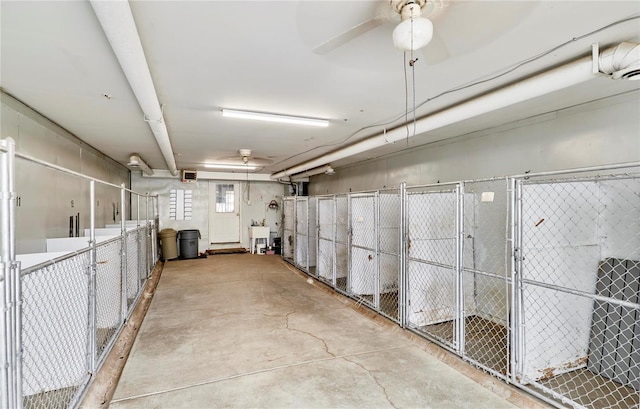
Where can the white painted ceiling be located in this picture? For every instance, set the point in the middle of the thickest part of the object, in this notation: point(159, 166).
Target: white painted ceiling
point(258, 55)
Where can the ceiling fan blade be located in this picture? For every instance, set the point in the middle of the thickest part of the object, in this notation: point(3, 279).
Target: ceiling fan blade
point(342, 38)
point(436, 51)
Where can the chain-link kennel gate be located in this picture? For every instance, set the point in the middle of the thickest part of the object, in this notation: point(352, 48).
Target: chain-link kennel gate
point(342, 244)
point(486, 275)
point(326, 224)
point(374, 250)
point(288, 228)
point(579, 249)
point(433, 263)
point(363, 281)
point(305, 235)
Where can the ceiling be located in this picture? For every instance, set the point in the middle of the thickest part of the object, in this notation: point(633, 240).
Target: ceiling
point(259, 56)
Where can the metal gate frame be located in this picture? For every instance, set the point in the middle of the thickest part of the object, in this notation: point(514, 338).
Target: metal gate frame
point(356, 247)
point(456, 344)
point(331, 280)
point(545, 387)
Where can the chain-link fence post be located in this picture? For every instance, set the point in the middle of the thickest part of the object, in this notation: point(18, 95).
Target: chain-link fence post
point(376, 234)
point(518, 326)
point(349, 280)
point(514, 255)
point(156, 227)
point(140, 241)
point(334, 240)
point(124, 266)
point(10, 395)
point(402, 257)
point(91, 293)
point(460, 313)
point(149, 233)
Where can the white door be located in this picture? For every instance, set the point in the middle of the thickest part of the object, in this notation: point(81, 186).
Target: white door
point(224, 212)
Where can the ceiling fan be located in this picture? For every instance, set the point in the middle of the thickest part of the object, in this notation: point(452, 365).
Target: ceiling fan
point(441, 28)
point(244, 161)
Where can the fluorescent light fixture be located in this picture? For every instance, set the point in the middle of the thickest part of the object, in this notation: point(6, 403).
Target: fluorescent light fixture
point(227, 166)
point(259, 116)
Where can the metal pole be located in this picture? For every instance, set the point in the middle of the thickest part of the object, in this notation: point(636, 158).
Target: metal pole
point(309, 235)
point(334, 236)
point(349, 240)
point(317, 233)
point(376, 234)
point(8, 389)
point(148, 249)
point(521, 352)
point(123, 275)
point(460, 319)
point(92, 293)
point(141, 261)
point(402, 253)
point(156, 227)
point(517, 319)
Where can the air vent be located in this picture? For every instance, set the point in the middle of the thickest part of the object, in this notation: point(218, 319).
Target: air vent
point(631, 75)
point(189, 175)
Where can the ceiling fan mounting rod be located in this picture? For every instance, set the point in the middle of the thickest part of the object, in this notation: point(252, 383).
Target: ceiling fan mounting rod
point(400, 5)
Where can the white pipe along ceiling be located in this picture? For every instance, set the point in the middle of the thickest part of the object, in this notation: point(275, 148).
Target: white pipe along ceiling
point(119, 26)
point(621, 61)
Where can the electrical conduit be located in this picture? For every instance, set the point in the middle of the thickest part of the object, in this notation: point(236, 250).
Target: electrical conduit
point(119, 26)
point(623, 57)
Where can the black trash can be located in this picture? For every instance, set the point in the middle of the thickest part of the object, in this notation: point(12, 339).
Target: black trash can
point(188, 243)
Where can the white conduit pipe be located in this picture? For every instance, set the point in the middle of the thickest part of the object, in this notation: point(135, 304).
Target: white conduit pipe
point(553, 80)
point(120, 28)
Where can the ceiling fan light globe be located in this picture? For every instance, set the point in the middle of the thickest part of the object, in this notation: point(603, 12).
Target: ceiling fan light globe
point(418, 28)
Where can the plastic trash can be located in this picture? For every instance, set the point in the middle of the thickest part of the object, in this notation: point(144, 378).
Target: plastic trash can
point(169, 244)
point(189, 243)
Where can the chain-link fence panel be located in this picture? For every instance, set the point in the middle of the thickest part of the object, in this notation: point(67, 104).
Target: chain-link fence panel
point(55, 334)
point(132, 281)
point(389, 203)
point(486, 275)
point(150, 259)
point(312, 237)
point(326, 238)
point(431, 263)
point(580, 272)
point(342, 242)
point(363, 279)
point(108, 292)
point(288, 228)
point(302, 231)
point(142, 256)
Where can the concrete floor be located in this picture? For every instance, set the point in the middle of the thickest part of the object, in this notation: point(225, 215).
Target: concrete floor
point(248, 331)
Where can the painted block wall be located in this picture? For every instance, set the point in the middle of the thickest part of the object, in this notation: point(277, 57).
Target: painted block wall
point(46, 196)
point(261, 193)
point(596, 133)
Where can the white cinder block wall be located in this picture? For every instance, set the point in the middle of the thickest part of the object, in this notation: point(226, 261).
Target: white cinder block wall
point(261, 193)
point(602, 132)
point(47, 198)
